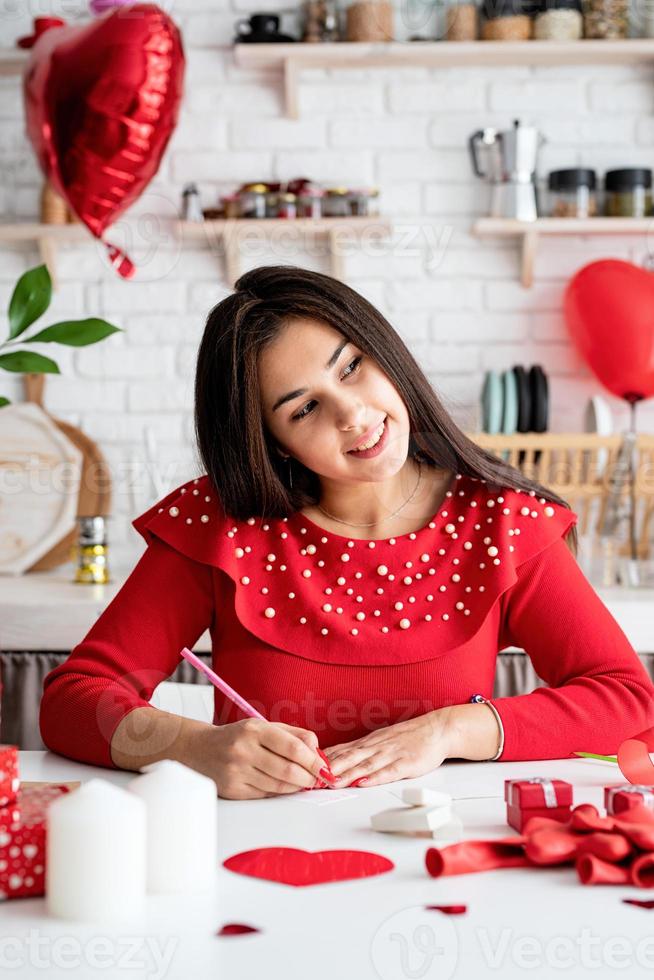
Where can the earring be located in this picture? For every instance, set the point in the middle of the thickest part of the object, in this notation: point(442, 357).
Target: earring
point(290, 473)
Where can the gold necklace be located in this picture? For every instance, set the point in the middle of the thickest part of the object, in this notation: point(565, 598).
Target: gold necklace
point(351, 524)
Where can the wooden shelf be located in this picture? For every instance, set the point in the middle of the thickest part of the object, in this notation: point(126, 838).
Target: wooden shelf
point(45, 237)
point(12, 61)
point(231, 233)
point(531, 231)
point(292, 58)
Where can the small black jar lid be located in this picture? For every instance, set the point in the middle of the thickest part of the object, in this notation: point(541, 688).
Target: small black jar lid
point(491, 9)
point(545, 5)
point(627, 178)
point(571, 179)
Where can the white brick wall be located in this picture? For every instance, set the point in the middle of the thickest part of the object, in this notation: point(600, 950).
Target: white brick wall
point(455, 300)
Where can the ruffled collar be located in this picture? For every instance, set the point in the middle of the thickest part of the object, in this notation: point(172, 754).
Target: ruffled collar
point(339, 599)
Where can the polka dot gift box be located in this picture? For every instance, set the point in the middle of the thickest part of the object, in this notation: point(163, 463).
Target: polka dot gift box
point(9, 780)
point(22, 829)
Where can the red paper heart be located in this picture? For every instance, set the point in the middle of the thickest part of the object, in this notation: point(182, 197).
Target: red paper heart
point(292, 866)
point(236, 929)
point(643, 903)
point(448, 909)
point(608, 308)
point(101, 102)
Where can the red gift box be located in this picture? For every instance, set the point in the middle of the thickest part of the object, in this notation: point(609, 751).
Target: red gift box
point(22, 839)
point(537, 797)
point(623, 796)
point(9, 781)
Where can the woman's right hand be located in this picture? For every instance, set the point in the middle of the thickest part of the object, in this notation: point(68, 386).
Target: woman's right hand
point(252, 758)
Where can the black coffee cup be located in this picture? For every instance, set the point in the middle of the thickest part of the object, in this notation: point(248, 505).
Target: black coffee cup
point(258, 24)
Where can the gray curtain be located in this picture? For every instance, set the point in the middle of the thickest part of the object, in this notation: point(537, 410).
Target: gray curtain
point(22, 676)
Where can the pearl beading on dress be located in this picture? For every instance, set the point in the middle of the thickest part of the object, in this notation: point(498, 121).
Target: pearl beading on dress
point(430, 564)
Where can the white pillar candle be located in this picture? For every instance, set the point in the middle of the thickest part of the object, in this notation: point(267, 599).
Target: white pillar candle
point(182, 815)
point(96, 856)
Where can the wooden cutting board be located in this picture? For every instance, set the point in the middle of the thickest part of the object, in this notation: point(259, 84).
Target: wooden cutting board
point(95, 484)
point(41, 471)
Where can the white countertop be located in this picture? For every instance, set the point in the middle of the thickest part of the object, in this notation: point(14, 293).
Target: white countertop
point(520, 922)
point(49, 611)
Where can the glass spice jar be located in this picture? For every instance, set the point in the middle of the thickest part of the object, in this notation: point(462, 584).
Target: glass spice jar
point(628, 192)
point(309, 202)
point(272, 201)
point(572, 193)
point(287, 206)
point(506, 20)
point(461, 21)
point(336, 203)
point(559, 20)
point(231, 204)
point(253, 200)
point(606, 19)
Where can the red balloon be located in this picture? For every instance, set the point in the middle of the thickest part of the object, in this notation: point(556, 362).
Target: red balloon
point(101, 103)
point(609, 309)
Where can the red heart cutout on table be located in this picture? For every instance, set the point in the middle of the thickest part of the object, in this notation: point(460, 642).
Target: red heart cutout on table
point(236, 929)
point(292, 866)
point(101, 102)
point(609, 308)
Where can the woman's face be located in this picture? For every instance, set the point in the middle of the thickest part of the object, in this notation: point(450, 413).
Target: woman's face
point(341, 403)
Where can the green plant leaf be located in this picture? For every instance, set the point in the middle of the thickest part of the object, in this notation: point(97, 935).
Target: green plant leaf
point(4, 401)
point(30, 298)
point(75, 333)
point(28, 362)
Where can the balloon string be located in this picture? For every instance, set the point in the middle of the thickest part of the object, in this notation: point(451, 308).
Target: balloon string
point(120, 261)
point(632, 484)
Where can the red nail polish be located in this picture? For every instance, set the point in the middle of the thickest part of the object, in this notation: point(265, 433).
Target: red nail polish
point(327, 775)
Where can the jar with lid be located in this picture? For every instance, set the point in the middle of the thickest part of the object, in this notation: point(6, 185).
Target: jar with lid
point(461, 21)
point(231, 205)
point(606, 19)
point(559, 20)
point(309, 202)
point(572, 193)
point(92, 551)
point(363, 201)
point(507, 20)
point(628, 192)
point(272, 203)
point(287, 206)
point(336, 203)
point(253, 200)
point(320, 19)
point(369, 20)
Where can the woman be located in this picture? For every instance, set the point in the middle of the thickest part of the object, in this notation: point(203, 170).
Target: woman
point(357, 598)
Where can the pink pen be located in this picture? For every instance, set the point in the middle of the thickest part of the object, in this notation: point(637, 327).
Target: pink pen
point(229, 692)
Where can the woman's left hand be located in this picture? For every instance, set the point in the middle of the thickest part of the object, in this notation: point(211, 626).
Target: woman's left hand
point(410, 748)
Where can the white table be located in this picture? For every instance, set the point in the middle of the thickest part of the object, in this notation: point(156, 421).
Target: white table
point(520, 922)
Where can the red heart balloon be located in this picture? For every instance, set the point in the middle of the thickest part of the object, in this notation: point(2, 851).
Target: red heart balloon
point(609, 309)
point(291, 866)
point(101, 102)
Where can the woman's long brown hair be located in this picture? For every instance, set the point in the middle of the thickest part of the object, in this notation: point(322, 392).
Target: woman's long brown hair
point(236, 450)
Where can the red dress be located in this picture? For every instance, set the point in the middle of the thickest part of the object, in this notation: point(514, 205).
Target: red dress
point(342, 636)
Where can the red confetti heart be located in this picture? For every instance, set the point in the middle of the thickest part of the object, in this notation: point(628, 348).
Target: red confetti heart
point(235, 929)
point(292, 866)
point(643, 903)
point(448, 909)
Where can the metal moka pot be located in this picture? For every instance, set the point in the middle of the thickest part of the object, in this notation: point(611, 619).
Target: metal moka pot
point(509, 164)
